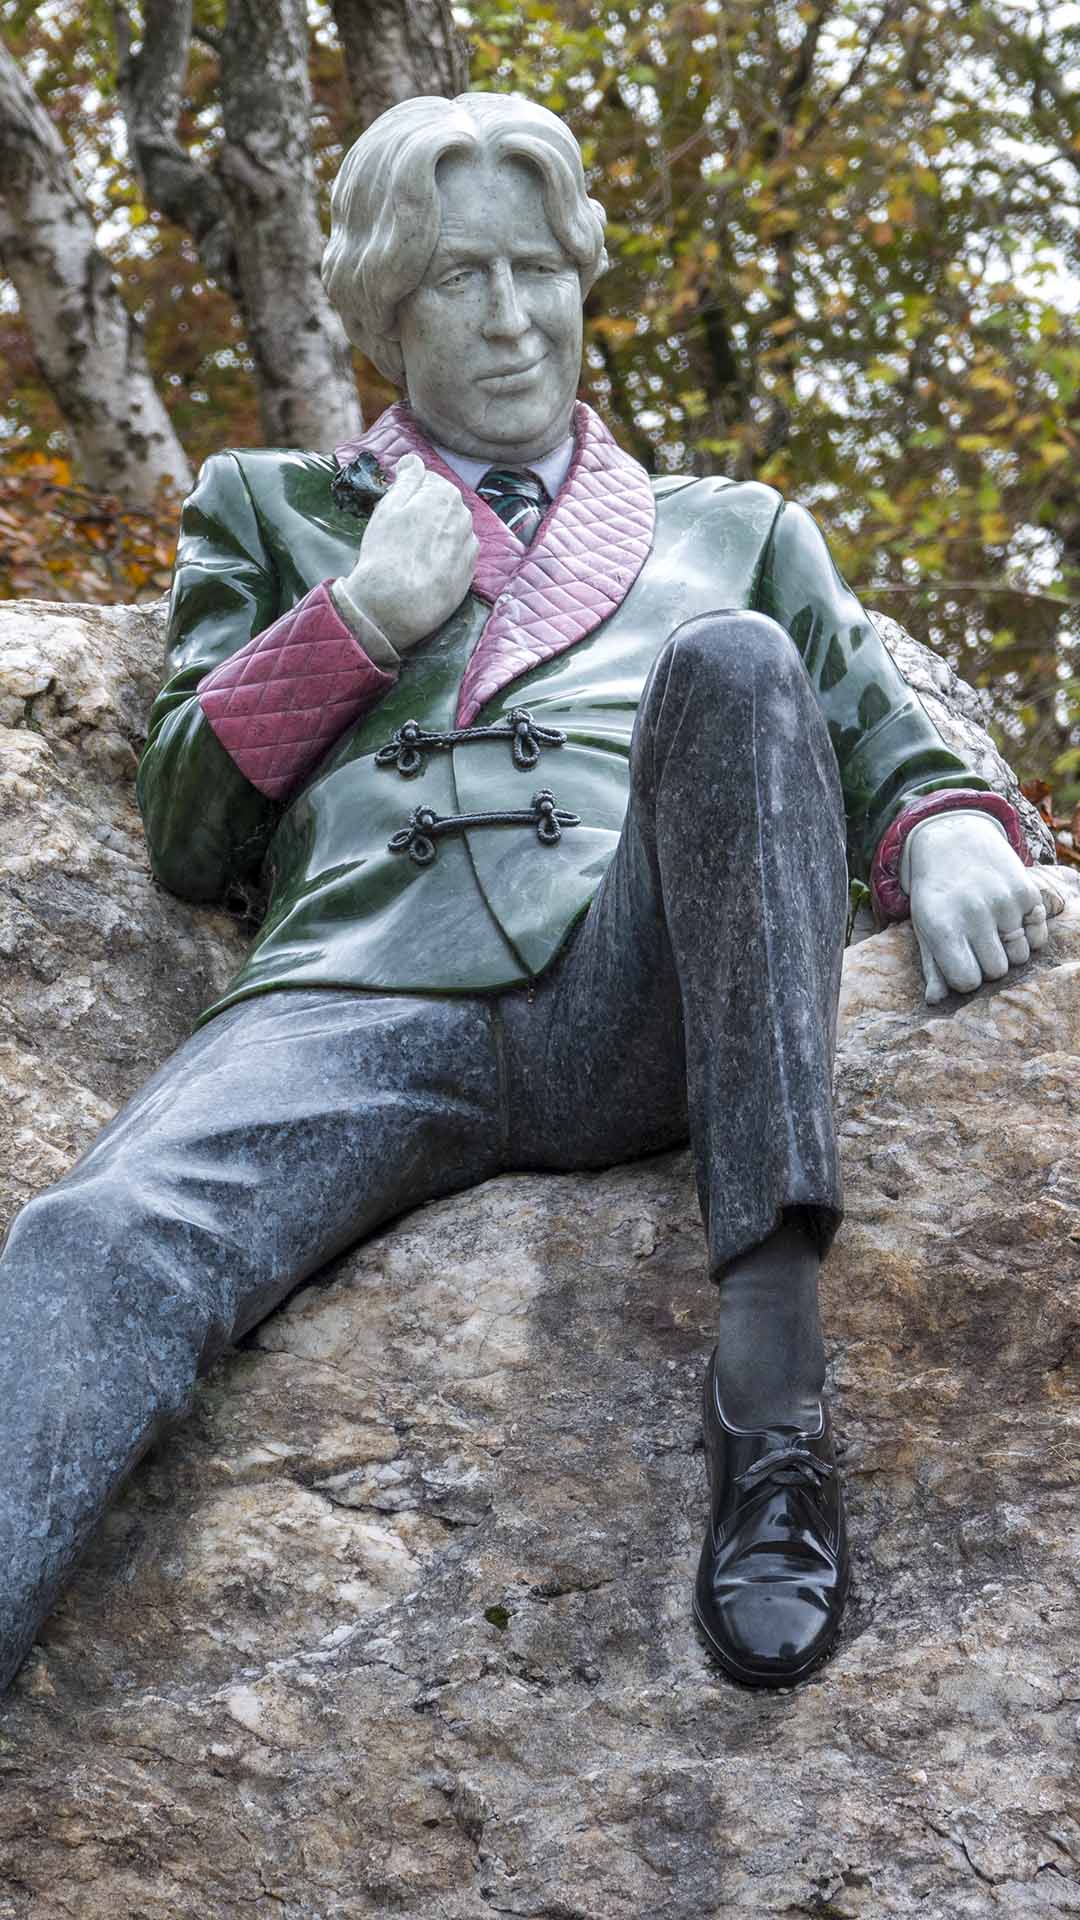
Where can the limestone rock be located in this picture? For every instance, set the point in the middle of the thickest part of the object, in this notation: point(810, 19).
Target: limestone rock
point(962, 715)
point(101, 972)
point(398, 1622)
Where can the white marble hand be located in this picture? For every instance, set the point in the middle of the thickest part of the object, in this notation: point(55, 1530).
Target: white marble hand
point(417, 559)
point(976, 909)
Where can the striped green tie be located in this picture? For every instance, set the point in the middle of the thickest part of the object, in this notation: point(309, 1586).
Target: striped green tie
point(518, 496)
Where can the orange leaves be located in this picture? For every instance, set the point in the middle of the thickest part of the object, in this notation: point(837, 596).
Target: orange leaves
point(60, 541)
point(985, 380)
point(1066, 827)
point(614, 328)
point(782, 220)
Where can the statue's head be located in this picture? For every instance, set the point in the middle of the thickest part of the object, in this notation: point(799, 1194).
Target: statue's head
point(462, 245)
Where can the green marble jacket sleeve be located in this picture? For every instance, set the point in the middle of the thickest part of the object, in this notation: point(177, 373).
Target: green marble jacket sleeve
point(207, 827)
point(888, 749)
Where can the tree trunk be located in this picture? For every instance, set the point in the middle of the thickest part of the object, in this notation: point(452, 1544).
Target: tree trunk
point(303, 363)
point(86, 343)
point(254, 217)
point(150, 85)
point(395, 49)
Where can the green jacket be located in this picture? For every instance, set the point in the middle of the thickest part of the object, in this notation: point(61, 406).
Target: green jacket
point(493, 909)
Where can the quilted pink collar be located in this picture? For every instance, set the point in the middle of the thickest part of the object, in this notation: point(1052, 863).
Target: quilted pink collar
point(587, 553)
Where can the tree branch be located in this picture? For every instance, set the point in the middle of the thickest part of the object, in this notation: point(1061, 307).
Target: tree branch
point(777, 425)
point(623, 407)
point(307, 393)
point(967, 586)
point(803, 66)
point(395, 49)
point(87, 346)
point(888, 13)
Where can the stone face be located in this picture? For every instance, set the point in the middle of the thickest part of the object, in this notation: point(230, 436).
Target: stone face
point(398, 1622)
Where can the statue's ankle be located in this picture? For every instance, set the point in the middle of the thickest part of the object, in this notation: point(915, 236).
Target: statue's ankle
point(770, 1358)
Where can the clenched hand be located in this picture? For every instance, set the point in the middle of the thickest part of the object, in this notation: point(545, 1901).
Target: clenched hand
point(976, 909)
point(417, 558)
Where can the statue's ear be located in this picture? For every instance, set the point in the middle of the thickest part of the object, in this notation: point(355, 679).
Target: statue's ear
point(389, 359)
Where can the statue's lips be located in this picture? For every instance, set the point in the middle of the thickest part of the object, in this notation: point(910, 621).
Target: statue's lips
point(508, 379)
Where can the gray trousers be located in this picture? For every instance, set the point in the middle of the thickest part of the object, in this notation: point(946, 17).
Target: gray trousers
point(697, 996)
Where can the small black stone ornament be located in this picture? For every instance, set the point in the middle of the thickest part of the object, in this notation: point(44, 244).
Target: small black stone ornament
point(360, 486)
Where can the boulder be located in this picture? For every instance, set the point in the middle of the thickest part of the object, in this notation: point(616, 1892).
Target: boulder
point(398, 1621)
point(102, 973)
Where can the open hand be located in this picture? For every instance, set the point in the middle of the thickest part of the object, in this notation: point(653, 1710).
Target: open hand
point(976, 909)
point(417, 557)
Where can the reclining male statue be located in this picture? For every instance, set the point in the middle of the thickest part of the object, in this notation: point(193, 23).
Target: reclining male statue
point(555, 774)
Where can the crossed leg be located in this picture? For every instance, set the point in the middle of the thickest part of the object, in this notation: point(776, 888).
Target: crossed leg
point(702, 988)
point(700, 991)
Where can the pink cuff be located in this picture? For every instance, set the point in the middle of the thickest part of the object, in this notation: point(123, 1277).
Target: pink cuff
point(278, 704)
point(890, 900)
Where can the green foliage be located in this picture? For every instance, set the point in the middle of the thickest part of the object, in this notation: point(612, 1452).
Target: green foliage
point(841, 237)
point(844, 237)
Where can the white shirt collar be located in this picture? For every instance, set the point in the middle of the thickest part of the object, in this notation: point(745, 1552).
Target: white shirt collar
point(552, 467)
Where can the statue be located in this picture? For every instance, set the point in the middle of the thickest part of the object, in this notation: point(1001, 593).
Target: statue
point(553, 774)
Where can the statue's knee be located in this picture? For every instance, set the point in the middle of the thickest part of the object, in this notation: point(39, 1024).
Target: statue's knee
point(736, 650)
point(67, 1234)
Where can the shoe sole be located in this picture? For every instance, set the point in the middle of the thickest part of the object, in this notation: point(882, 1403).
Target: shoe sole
point(749, 1677)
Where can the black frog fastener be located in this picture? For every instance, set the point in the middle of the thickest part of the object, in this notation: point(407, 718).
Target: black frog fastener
point(426, 827)
point(409, 745)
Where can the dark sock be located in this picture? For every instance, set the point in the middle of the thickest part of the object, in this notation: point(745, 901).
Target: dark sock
point(770, 1362)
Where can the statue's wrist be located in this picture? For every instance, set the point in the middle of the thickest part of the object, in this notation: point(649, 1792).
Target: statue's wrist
point(889, 897)
point(363, 627)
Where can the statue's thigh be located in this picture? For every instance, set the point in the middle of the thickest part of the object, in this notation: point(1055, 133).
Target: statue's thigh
point(595, 1065)
point(720, 921)
point(282, 1131)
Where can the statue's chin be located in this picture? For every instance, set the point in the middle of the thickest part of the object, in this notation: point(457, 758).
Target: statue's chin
point(513, 425)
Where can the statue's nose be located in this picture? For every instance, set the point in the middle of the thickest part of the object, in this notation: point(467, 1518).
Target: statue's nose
point(505, 317)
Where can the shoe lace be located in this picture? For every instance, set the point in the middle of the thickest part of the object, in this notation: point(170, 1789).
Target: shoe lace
point(788, 1467)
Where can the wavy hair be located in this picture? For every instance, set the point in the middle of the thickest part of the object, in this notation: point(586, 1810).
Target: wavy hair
point(384, 209)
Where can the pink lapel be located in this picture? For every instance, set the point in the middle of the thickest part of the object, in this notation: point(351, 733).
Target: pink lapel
point(587, 553)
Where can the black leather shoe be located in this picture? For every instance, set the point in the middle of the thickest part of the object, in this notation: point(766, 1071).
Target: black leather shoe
point(773, 1575)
